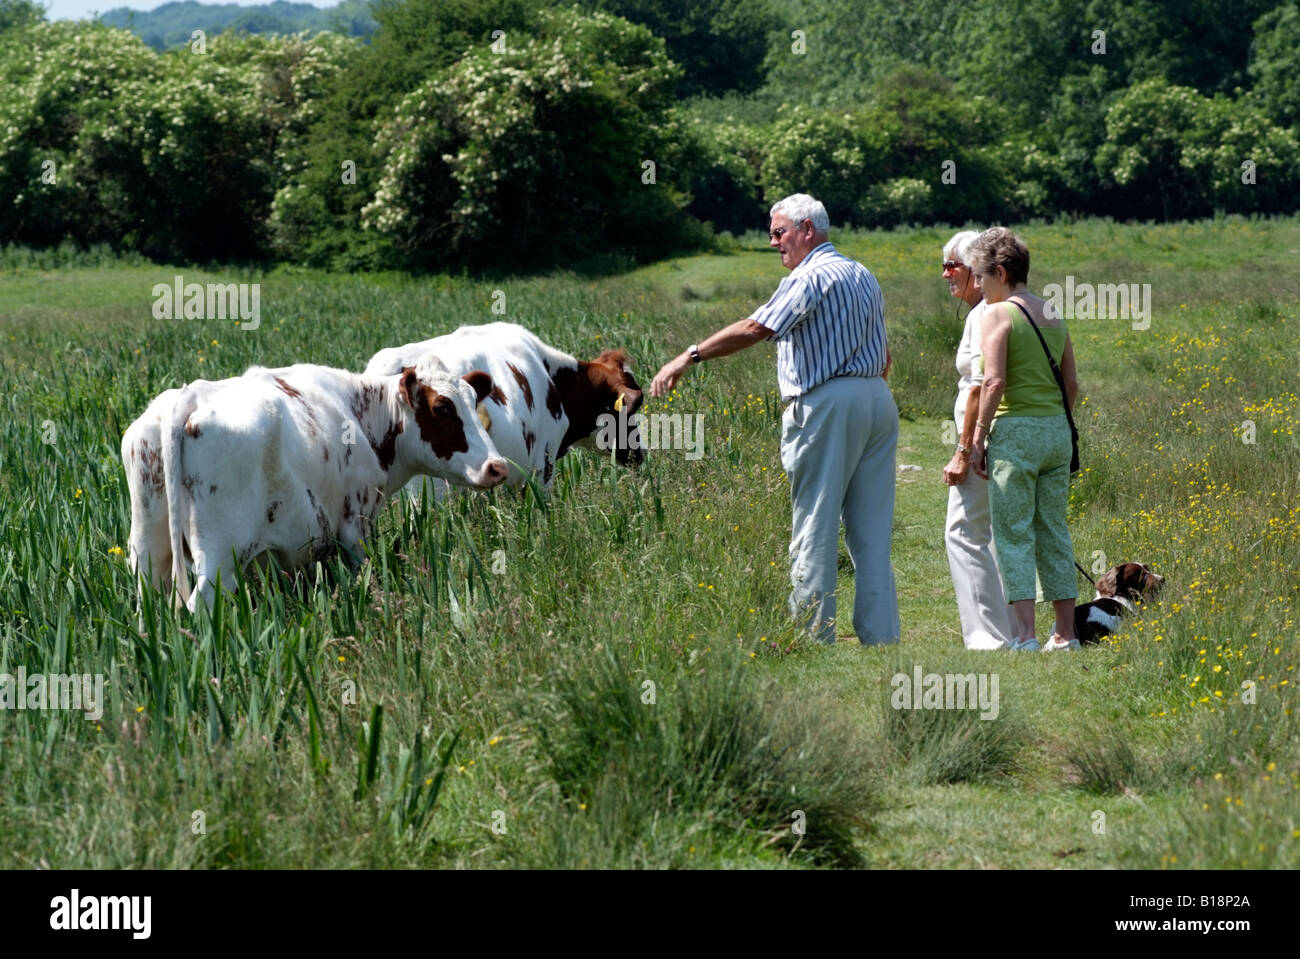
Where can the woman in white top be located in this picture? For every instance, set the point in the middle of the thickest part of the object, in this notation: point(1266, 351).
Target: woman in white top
point(981, 603)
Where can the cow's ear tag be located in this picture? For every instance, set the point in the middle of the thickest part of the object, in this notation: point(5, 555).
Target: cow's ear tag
point(618, 404)
point(484, 417)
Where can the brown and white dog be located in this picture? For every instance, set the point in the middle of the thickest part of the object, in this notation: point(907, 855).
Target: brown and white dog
point(1118, 589)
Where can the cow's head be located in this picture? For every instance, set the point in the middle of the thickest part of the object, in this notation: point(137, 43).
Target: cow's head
point(450, 439)
point(613, 392)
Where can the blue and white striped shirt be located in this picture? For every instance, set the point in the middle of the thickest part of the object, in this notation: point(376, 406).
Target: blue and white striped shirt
point(828, 319)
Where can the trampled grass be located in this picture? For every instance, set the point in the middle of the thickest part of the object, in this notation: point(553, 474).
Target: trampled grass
point(516, 725)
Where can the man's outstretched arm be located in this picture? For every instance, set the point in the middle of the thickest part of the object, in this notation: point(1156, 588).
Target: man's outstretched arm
point(728, 340)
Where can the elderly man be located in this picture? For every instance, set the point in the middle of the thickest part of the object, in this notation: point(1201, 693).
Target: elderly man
point(840, 428)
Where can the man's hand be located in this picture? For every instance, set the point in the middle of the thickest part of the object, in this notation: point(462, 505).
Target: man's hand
point(667, 377)
point(726, 341)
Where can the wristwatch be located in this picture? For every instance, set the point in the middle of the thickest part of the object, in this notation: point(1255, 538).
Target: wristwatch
point(695, 353)
point(963, 449)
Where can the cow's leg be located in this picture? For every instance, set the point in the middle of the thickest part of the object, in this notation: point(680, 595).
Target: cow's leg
point(149, 557)
point(212, 557)
point(148, 545)
point(149, 548)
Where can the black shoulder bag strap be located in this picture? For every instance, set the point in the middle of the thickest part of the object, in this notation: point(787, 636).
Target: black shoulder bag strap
point(1060, 382)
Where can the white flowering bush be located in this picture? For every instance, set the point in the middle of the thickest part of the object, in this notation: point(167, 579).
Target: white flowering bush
point(835, 156)
point(298, 74)
point(1230, 133)
point(900, 200)
point(497, 158)
point(1275, 64)
point(1145, 132)
point(294, 75)
point(200, 143)
point(60, 80)
point(1038, 180)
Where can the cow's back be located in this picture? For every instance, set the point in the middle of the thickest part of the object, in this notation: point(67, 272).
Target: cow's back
point(527, 420)
point(262, 463)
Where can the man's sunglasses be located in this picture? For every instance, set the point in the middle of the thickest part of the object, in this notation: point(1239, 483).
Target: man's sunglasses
point(952, 264)
point(778, 233)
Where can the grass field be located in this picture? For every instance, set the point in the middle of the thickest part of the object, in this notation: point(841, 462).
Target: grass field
point(626, 691)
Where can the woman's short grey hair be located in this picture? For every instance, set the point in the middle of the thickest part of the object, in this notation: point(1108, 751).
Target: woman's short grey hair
point(958, 248)
point(998, 246)
point(799, 207)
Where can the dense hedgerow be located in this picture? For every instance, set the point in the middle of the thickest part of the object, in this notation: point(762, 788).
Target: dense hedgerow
point(174, 155)
point(512, 135)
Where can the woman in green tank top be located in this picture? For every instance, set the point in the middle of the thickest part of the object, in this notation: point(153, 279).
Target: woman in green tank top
point(1022, 421)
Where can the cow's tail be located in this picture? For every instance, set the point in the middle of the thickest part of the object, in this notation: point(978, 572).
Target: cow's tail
point(172, 438)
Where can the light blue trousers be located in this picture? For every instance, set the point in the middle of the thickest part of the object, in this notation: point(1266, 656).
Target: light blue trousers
point(837, 447)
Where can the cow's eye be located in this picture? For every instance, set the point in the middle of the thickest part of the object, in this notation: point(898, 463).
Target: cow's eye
point(444, 407)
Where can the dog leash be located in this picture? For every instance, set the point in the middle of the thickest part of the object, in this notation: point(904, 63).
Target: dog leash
point(1085, 574)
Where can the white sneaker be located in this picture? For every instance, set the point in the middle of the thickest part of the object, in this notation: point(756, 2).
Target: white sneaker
point(1056, 642)
point(1023, 646)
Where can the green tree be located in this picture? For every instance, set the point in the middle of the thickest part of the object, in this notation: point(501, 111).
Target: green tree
point(60, 82)
point(20, 13)
point(1016, 53)
point(1245, 163)
point(849, 45)
point(1147, 132)
point(722, 162)
point(177, 155)
point(1275, 63)
point(720, 44)
point(1193, 43)
point(916, 151)
point(936, 138)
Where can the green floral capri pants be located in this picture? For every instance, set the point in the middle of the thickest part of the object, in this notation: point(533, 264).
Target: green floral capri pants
point(1029, 490)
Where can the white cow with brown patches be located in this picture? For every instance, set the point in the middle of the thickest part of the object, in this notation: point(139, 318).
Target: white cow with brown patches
point(544, 401)
point(291, 462)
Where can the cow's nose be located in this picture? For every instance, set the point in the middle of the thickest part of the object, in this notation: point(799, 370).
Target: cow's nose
point(495, 472)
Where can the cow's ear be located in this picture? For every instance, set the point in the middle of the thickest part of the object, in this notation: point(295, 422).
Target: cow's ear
point(481, 381)
point(410, 387)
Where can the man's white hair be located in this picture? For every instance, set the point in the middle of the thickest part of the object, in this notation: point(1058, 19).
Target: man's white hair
point(799, 207)
point(958, 248)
